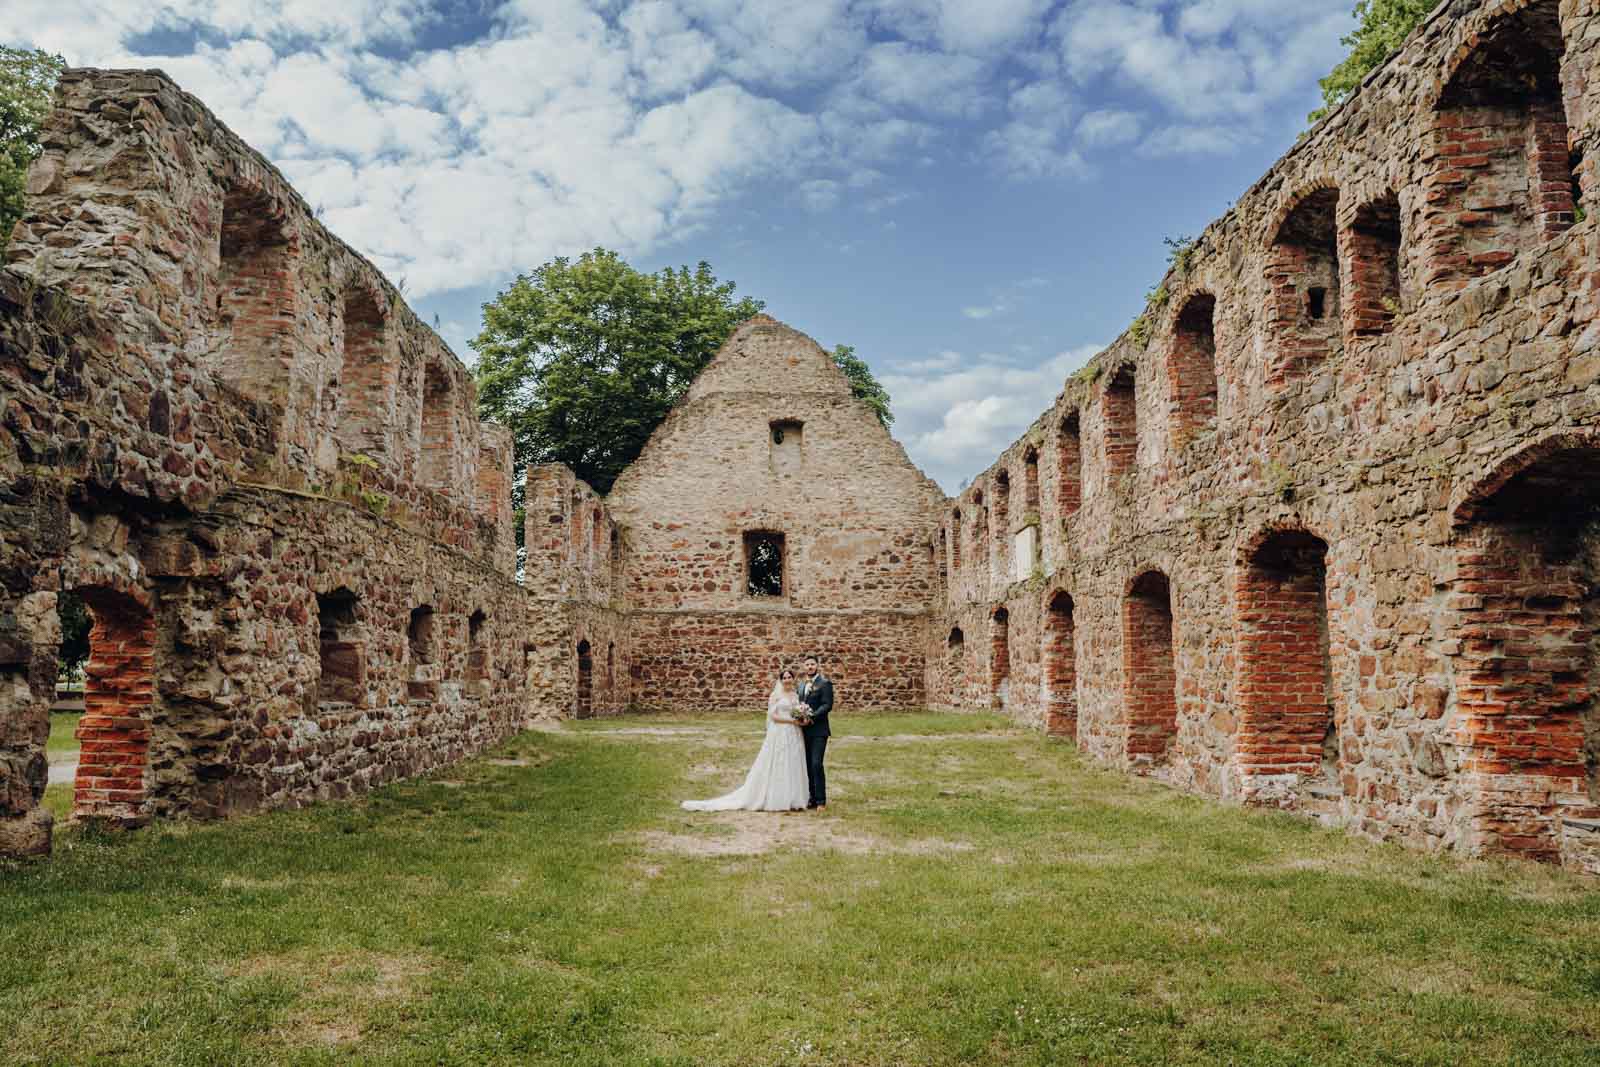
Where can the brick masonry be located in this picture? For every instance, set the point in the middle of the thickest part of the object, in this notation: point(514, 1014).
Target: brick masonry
point(1322, 536)
point(1358, 446)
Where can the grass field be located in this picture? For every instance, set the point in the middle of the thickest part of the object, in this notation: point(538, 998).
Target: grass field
point(973, 895)
point(62, 743)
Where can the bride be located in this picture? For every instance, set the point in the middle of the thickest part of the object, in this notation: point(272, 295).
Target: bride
point(777, 781)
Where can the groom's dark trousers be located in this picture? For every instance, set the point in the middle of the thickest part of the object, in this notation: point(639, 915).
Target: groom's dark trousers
point(819, 698)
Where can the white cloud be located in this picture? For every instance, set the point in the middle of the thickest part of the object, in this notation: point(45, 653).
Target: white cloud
point(1108, 127)
point(629, 122)
point(956, 414)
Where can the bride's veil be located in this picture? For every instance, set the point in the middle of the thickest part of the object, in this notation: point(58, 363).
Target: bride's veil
point(774, 696)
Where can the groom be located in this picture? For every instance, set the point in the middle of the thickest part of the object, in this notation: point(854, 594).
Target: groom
point(816, 693)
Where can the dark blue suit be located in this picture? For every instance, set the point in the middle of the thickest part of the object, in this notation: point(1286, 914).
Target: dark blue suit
point(817, 694)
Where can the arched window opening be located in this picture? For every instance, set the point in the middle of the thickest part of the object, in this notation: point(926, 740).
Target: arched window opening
point(1121, 407)
point(478, 655)
point(422, 646)
point(1150, 677)
point(1030, 481)
point(1303, 285)
point(615, 561)
point(363, 385)
point(342, 655)
point(956, 531)
point(1000, 656)
point(118, 703)
point(585, 697)
point(1192, 367)
point(1287, 723)
point(1069, 466)
point(255, 296)
point(1528, 665)
point(1060, 669)
point(438, 430)
point(1002, 518)
point(955, 669)
point(1501, 180)
point(980, 532)
point(1374, 243)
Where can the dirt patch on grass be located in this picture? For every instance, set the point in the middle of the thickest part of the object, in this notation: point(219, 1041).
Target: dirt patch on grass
point(755, 833)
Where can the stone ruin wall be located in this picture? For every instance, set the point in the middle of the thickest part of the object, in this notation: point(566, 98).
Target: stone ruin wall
point(226, 431)
point(1326, 540)
point(577, 637)
point(858, 578)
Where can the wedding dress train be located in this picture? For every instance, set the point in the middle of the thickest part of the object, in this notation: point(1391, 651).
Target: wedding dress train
point(777, 779)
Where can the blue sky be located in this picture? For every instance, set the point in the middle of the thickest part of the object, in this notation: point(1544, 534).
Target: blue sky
point(972, 192)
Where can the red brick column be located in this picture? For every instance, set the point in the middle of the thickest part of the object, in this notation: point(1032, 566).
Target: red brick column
point(999, 652)
point(1060, 669)
point(1499, 183)
point(1522, 692)
point(1150, 676)
point(1069, 466)
point(1192, 369)
point(1370, 256)
point(1284, 700)
point(115, 729)
point(1121, 422)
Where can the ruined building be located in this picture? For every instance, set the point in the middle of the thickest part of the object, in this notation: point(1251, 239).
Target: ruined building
point(1317, 533)
point(1320, 532)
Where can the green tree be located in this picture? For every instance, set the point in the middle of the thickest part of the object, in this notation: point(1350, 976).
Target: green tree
point(27, 81)
point(1384, 27)
point(583, 358)
point(75, 626)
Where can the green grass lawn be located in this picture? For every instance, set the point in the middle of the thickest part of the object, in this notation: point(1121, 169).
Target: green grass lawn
point(62, 744)
point(973, 895)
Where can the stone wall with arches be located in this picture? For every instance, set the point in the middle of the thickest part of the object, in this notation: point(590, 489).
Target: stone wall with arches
point(1362, 409)
point(227, 435)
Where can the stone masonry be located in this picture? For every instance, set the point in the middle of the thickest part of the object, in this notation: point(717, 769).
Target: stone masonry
point(1321, 532)
point(266, 479)
point(769, 447)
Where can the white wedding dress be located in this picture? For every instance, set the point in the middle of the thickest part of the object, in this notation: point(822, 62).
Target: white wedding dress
point(777, 781)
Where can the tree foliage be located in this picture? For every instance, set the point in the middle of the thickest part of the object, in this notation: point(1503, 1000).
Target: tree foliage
point(27, 81)
point(863, 383)
point(75, 626)
point(583, 358)
point(1384, 27)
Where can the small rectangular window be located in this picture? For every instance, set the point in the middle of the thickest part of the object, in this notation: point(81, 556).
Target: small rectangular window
point(763, 563)
point(786, 455)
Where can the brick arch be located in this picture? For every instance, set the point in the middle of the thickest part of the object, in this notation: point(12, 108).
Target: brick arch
point(1060, 674)
point(1526, 612)
point(1291, 203)
point(999, 654)
point(1469, 46)
point(1192, 364)
point(1304, 281)
point(1286, 747)
point(1119, 424)
point(1149, 667)
point(1501, 178)
point(1472, 501)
